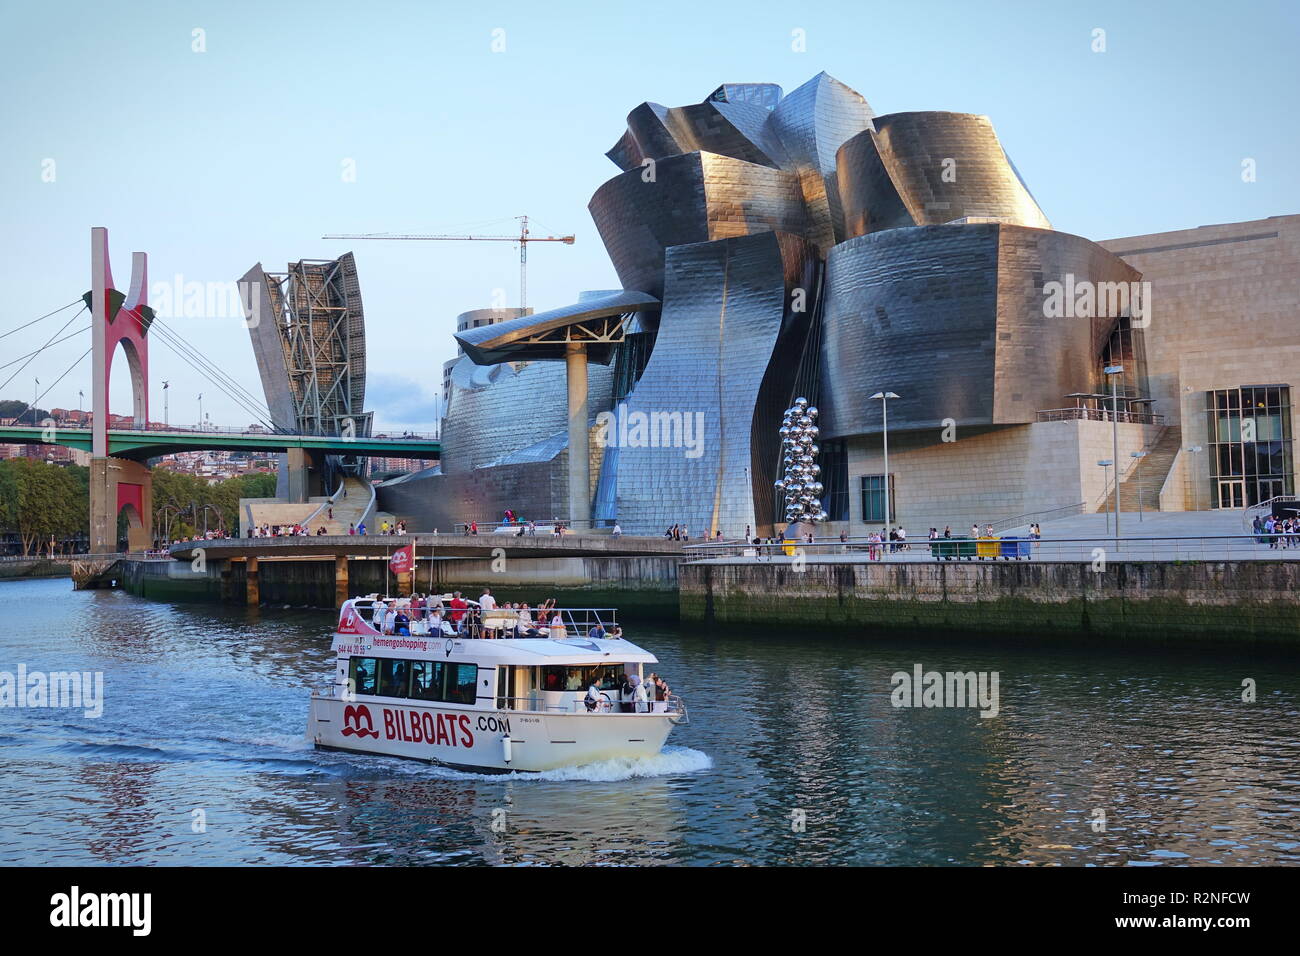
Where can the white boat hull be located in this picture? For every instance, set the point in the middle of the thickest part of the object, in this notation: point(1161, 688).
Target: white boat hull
point(470, 739)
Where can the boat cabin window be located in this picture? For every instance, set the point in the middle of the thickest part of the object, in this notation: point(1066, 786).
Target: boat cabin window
point(394, 677)
point(362, 677)
point(427, 678)
point(419, 680)
point(580, 677)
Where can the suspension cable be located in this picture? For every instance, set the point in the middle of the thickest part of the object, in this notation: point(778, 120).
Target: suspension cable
point(42, 348)
point(242, 402)
point(61, 378)
point(70, 335)
point(215, 372)
point(45, 316)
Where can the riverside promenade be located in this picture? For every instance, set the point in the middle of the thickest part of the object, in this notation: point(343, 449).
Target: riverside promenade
point(1219, 586)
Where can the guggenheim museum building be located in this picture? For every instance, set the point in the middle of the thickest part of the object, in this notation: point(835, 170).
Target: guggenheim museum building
point(775, 245)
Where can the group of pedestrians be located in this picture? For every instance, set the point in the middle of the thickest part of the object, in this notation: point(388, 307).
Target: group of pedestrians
point(1278, 533)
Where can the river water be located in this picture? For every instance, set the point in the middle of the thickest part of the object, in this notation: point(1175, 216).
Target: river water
point(794, 755)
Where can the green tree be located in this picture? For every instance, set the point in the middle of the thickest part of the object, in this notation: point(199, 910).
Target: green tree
point(15, 408)
point(40, 500)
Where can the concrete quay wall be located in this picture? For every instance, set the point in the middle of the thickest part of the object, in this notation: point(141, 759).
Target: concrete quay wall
point(1203, 600)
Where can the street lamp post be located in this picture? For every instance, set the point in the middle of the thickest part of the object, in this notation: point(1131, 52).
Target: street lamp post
point(200, 411)
point(1196, 479)
point(883, 398)
point(1114, 371)
point(166, 417)
point(1139, 455)
point(1105, 464)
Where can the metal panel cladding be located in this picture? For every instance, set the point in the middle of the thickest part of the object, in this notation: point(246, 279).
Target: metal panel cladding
point(727, 303)
point(928, 168)
point(813, 122)
point(496, 410)
point(692, 198)
point(953, 318)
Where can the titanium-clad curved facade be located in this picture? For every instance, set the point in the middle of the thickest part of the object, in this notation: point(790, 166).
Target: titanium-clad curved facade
point(738, 129)
point(779, 239)
point(496, 410)
point(953, 317)
point(701, 461)
point(929, 168)
point(695, 197)
point(813, 122)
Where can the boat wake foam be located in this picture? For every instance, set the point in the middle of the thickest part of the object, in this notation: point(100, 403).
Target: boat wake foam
point(669, 761)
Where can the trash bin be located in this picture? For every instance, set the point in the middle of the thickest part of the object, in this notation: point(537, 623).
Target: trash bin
point(1013, 547)
point(965, 547)
point(945, 548)
point(986, 548)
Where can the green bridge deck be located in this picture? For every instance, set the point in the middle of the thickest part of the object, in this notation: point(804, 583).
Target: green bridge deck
point(141, 444)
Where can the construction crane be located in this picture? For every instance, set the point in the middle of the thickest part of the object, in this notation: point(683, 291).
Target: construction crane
point(523, 239)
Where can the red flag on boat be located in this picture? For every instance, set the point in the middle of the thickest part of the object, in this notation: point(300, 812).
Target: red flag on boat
point(403, 560)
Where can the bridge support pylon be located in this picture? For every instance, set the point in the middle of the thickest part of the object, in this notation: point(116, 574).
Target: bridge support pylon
point(117, 484)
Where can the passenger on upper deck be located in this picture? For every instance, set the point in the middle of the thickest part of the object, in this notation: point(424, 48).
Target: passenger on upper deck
point(597, 633)
point(458, 607)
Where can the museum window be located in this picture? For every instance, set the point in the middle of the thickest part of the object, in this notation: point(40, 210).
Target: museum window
point(873, 499)
point(1250, 446)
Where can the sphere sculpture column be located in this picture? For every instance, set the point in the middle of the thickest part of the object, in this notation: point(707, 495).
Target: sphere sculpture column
point(799, 484)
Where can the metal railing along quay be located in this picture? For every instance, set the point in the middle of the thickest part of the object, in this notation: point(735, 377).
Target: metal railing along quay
point(1270, 547)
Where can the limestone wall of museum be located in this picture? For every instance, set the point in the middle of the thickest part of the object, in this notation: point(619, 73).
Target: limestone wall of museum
point(989, 475)
point(1223, 310)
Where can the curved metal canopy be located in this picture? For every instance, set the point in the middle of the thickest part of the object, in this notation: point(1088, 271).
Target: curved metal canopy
point(599, 322)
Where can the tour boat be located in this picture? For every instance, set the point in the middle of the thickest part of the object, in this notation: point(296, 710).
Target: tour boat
point(477, 695)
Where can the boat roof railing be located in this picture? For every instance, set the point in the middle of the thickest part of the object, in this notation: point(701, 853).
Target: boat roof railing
point(573, 617)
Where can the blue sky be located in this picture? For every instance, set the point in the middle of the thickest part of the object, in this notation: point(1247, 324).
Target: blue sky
point(211, 161)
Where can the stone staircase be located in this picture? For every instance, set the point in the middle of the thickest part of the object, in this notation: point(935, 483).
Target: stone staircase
point(94, 571)
point(1153, 471)
point(347, 510)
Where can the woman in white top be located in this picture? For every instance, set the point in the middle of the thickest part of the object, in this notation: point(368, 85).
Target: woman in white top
point(558, 633)
point(642, 698)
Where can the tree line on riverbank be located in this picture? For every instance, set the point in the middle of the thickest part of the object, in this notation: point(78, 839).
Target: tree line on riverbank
point(40, 501)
